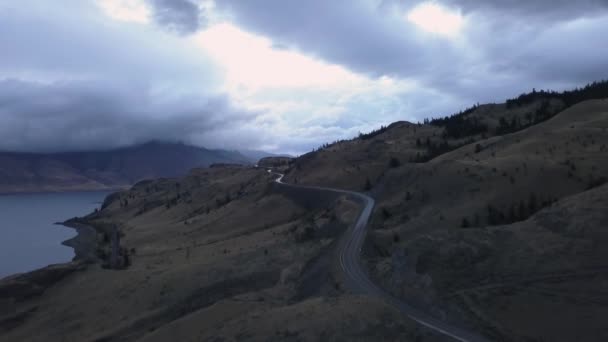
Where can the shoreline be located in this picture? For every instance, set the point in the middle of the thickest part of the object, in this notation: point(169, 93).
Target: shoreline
point(21, 286)
point(64, 191)
point(84, 243)
point(25, 285)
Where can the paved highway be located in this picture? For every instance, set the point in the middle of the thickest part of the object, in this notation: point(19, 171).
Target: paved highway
point(357, 280)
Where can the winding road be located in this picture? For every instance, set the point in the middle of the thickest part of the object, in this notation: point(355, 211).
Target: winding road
point(357, 280)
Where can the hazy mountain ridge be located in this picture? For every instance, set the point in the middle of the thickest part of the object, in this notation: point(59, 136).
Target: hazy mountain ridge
point(109, 169)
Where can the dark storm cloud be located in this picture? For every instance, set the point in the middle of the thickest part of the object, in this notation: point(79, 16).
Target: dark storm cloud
point(73, 77)
point(84, 81)
point(181, 16)
point(343, 32)
point(505, 51)
point(548, 9)
point(45, 39)
point(91, 115)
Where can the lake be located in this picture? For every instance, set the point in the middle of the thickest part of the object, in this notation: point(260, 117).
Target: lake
point(29, 238)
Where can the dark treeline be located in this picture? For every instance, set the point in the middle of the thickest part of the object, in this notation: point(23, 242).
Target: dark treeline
point(516, 212)
point(435, 149)
point(362, 136)
point(542, 113)
point(365, 136)
point(592, 91)
point(459, 125)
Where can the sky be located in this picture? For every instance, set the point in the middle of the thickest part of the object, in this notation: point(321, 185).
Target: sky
point(284, 76)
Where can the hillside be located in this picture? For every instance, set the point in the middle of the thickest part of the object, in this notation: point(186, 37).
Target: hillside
point(217, 255)
point(499, 229)
point(502, 225)
point(359, 163)
point(111, 169)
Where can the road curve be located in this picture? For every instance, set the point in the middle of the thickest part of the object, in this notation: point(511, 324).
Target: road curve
point(357, 280)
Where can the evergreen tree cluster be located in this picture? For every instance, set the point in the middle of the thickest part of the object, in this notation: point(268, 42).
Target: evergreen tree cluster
point(328, 145)
point(592, 91)
point(366, 136)
point(435, 149)
point(517, 211)
point(459, 125)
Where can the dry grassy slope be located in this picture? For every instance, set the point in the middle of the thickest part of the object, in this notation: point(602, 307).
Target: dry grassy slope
point(560, 157)
point(199, 255)
point(346, 318)
point(419, 250)
point(348, 164)
point(545, 279)
point(421, 207)
point(490, 114)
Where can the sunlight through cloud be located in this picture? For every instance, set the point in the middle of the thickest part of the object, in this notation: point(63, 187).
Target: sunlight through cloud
point(252, 61)
point(126, 10)
point(434, 18)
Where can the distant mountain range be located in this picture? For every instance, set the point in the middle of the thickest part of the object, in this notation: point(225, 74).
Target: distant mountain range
point(109, 169)
point(257, 155)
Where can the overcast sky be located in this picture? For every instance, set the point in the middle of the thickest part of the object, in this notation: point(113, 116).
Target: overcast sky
point(277, 75)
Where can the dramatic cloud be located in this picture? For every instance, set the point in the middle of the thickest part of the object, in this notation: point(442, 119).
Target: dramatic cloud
point(93, 115)
point(279, 75)
point(496, 44)
point(181, 16)
point(544, 9)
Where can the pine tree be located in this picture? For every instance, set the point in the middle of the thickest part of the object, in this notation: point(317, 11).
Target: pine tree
point(532, 203)
point(368, 185)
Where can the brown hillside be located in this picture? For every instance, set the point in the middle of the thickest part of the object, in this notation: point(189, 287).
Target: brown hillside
point(220, 254)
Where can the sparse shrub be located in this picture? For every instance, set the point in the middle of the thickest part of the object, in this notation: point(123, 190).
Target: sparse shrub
point(306, 234)
point(522, 214)
point(368, 185)
point(532, 203)
point(493, 216)
point(394, 163)
point(396, 237)
point(386, 214)
point(594, 183)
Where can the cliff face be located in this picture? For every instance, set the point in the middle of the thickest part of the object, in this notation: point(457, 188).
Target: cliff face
point(96, 170)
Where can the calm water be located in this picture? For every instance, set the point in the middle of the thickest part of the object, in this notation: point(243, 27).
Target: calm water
point(29, 239)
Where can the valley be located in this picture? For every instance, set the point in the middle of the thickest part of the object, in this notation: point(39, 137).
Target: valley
point(499, 237)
